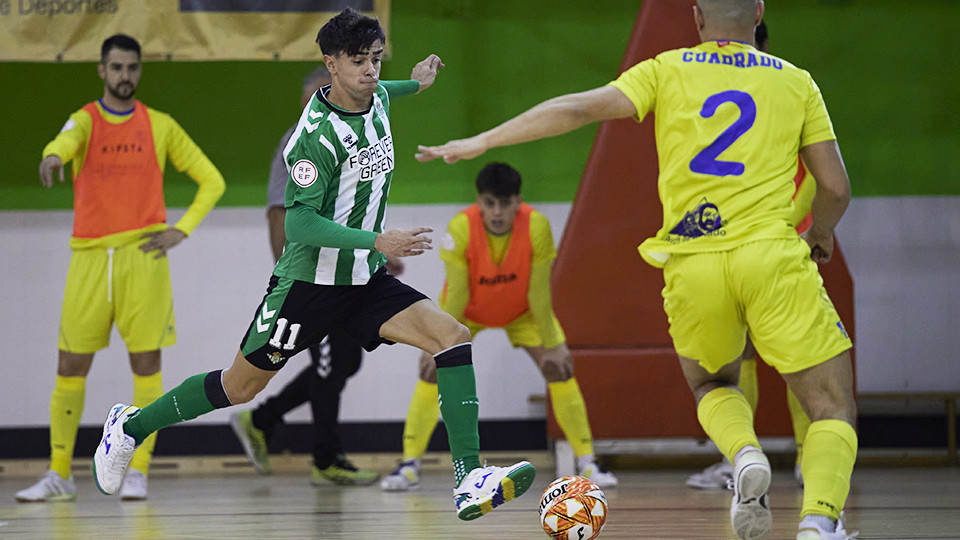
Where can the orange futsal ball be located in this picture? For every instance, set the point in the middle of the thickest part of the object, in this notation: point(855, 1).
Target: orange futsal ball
point(573, 508)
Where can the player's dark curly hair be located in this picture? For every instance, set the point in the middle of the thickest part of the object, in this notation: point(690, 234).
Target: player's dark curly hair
point(349, 32)
point(118, 41)
point(498, 179)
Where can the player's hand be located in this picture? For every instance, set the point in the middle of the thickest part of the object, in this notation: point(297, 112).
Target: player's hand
point(162, 241)
point(425, 72)
point(821, 245)
point(452, 151)
point(397, 243)
point(47, 166)
point(394, 266)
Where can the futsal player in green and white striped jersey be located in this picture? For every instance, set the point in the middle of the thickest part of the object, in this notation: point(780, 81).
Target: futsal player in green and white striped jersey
point(331, 274)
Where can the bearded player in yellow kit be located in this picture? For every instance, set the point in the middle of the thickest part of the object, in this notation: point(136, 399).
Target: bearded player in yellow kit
point(119, 274)
point(730, 121)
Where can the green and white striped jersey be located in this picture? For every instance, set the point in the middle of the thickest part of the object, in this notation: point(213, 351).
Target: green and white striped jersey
point(340, 164)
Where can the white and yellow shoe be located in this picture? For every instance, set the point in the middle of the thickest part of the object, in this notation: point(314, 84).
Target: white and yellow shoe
point(486, 488)
point(405, 477)
point(253, 440)
point(598, 475)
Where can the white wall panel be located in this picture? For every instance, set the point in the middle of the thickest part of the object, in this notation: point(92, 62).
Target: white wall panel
point(904, 254)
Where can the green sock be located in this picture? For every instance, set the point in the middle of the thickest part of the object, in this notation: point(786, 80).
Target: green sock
point(459, 407)
point(194, 397)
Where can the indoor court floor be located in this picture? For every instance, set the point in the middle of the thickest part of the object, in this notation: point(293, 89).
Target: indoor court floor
point(888, 503)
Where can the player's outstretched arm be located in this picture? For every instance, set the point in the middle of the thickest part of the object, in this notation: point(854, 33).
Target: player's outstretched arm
point(552, 117)
point(832, 197)
point(425, 72)
point(398, 243)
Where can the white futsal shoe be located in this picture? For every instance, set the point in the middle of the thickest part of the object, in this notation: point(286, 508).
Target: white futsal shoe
point(134, 487)
point(405, 477)
point(810, 530)
point(486, 488)
point(598, 475)
point(115, 450)
point(750, 509)
point(50, 488)
point(717, 476)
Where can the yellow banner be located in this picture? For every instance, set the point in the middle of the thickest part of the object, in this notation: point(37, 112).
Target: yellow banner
point(73, 30)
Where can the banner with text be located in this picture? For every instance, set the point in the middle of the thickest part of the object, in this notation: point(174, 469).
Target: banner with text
point(73, 30)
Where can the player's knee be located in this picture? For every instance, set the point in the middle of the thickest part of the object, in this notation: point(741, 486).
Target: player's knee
point(243, 391)
point(832, 406)
point(556, 371)
point(73, 364)
point(454, 334)
point(428, 368)
point(428, 373)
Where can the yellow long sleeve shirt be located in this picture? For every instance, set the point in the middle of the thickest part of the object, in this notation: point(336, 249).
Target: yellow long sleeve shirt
point(453, 253)
point(171, 143)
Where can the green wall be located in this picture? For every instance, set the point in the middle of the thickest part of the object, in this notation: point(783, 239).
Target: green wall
point(884, 70)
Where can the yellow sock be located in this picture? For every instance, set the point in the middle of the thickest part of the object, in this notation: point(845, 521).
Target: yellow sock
point(421, 420)
point(146, 390)
point(829, 452)
point(726, 417)
point(571, 413)
point(801, 422)
point(748, 382)
point(66, 408)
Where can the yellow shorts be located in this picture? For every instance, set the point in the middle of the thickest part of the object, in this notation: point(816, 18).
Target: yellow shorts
point(522, 331)
point(769, 288)
point(120, 285)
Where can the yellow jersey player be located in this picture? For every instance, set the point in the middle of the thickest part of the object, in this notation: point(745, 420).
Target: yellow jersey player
point(119, 273)
point(497, 255)
point(730, 121)
point(717, 476)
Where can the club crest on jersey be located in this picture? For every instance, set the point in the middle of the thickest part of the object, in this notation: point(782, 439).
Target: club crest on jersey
point(275, 357)
point(704, 220)
point(304, 173)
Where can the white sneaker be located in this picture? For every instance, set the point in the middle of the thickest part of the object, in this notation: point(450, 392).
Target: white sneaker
point(406, 476)
point(115, 450)
point(50, 488)
point(134, 486)
point(750, 508)
point(486, 488)
point(809, 530)
point(717, 476)
point(598, 475)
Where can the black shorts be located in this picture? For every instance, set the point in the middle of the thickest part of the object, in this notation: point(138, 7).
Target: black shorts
point(296, 314)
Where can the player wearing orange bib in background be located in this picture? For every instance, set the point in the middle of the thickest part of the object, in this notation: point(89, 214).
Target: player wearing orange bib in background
point(497, 255)
point(119, 273)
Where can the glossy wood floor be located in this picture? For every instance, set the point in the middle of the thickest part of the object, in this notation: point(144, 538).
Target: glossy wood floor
point(900, 503)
